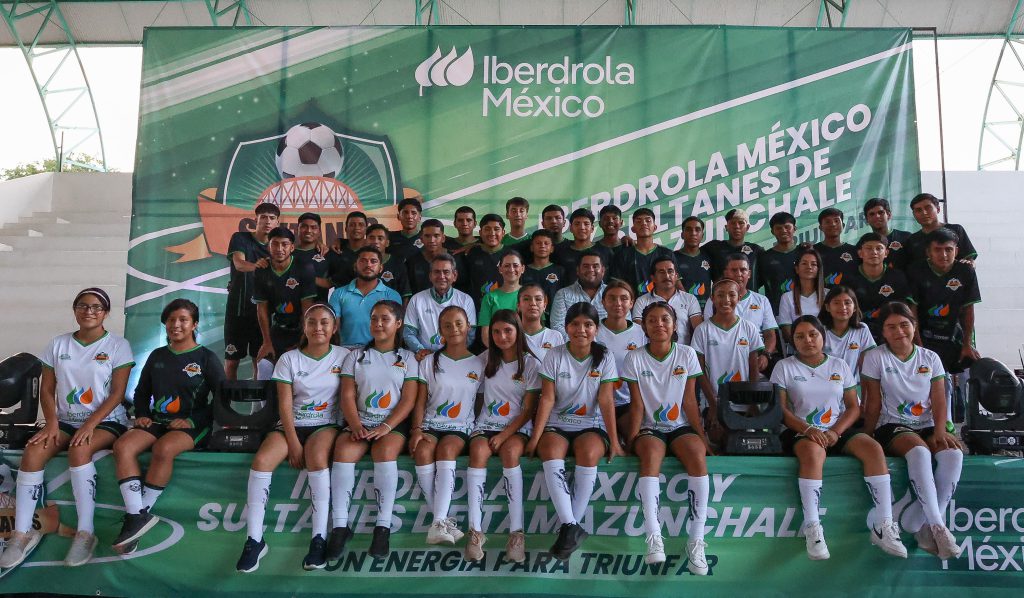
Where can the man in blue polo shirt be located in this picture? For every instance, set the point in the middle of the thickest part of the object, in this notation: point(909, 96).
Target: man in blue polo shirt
point(354, 301)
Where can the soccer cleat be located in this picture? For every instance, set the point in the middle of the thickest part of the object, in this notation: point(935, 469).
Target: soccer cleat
point(380, 545)
point(515, 549)
point(945, 542)
point(453, 529)
point(697, 561)
point(252, 553)
point(655, 549)
point(475, 545)
point(925, 540)
point(887, 537)
point(336, 541)
point(134, 527)
point(19, 547)
point(82, 547)
point(817, 550)
point(316, 557)
point(438, 533)
point(570, 536)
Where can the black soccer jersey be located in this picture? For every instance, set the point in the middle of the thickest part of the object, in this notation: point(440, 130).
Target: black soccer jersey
point(569, 258)
point(451, 244)
point(872, 294)
point(403, 246)
point(341, 266)
point(898, 251)
point(179, 386)
point(240, 285)
point(284, 291)
point(776, 273)
point(940, 297)
point(550, 278)
point(838, 263)
point(395, 275)
point(481, 268)
point(319, 264)
point(720, 250)
point(524, 249)
point(635, 267)
point(917, 246)
point(695, 273)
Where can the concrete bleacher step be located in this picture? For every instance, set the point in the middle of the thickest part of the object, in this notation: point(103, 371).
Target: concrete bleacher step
point(48, 229)
point(68, 256)
point(79, 218)
point(65, 242)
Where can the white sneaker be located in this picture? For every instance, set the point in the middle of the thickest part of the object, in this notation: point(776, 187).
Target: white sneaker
point(887, 537)
point(655, 549)
point(19, 546)
point(438, 533)
point(82, 546)
point(698, 562)
point(925, 540)
point(945, 543)
point(453, 529)
point(817, 550)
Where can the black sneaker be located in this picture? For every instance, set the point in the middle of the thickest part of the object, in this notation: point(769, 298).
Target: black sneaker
point(570, 536)
point(128, 548)
point(336, 542)
point(315, 559)
point(252, 552)
point(134, 527)
point(380, 546)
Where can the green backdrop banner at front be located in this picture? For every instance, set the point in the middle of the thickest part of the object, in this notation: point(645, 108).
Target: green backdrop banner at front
point(753, 546)
point(682, 120)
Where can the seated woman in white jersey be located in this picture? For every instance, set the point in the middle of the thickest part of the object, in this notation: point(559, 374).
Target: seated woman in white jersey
point(378, 391)
point(511, 384)
point(665, 417)
point(308, 379)
point(809, 285)
point(576, 412)
point(820, 409)
point(622, 336)
point(846, 336)
point(905, 407)
point(532, 305)
point(84, 378)
point(449, 380)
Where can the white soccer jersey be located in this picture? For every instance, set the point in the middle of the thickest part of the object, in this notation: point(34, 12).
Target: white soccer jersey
point(753, 307)
point(314, 385)
point(906, 385)
point(451, 392)
point(727, 351)
point(543, 341)
point(84, 373)
point(423, 312)
point(619, 345)
point(503, 395)
point(850, 346)
point(685, 305)
point(379, 378)
point(787, 308)
point(576, 388)
point(815, 393)
point(662, 384)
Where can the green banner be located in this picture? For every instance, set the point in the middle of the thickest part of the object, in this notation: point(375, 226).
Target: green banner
point(753, 547)
point(683, 120)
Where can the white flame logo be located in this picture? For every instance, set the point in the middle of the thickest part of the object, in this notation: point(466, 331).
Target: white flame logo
point(451, 69)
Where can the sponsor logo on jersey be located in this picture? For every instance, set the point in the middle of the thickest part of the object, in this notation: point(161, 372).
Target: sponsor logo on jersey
point(387, 276)
point(786, 285)
point(301, 374)
point(819, 418)
point(291, 283)
point(286, 308)
point(846, 257)
point(875, 313)
point(712, 342)
point(671, 414)
point(473, 376)
point(574, 410)
point(230, 349)
point(314, 406)
point(318, 258)
point(910, 409)
point(631, 347)
point(564, 375)
point(192, 370)
point(63, 356)
point(924, 370)
point(594, 374)
point(335, 369)
point(954, 284)
point(518, 379)
point(895, 246)
point(886, 290)
point(746, 249)
point(730, 377)
point(679, 371)
point(102, 357)
point(645, 287)
point(496, 409)
point(378, 399)
point(799, 378)
point(436, 339)
point(754, 307)
point(546, 345)
point(939, 311)
point(698, 289)
point(890, 370)
point(398, 363)
point(853, 346)
point(79, 396)
point(647, 374)
point(834, 278)
point(835, 377)
point(552, 278)
point(167, 404)
point(743, 342)
point(449, 409)
point(418, 244)
point(705, 264)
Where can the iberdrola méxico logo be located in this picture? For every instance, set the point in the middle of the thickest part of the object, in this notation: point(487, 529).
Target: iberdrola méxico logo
point(574, 410)
point(449, 409)
point(79, 396)
point(730, 377)
point(378, 400)
point(910, 409)
point(819, 417)
point(443, 70)
point(167, 405)
point(496, 409)
point(662, 415)
point(314, 406)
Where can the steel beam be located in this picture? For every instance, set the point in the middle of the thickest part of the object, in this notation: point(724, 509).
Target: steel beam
point(832, 13)
point(426, 12)
point(630, 17)
point(1002, 127)
point(228, 13)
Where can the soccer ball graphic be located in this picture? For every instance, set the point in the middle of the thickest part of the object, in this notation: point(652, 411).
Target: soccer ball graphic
point(309, 149)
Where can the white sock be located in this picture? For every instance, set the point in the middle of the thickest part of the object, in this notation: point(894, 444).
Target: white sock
point(649, 489)
point(425, 477)
point(476, 485)
point(343, 480)
point(320, 495)
point(385, 484)
point(83, 486)
point(558, 489)
point(947, 476)
point(880, 489)
point(150, 494)
point(444, 487)
point(131, 492)
point(583, 479)
point(257, 494)
point(512, 477)
point(922, 482)
point(810, 497)
point(697, 492)
point(29, 491)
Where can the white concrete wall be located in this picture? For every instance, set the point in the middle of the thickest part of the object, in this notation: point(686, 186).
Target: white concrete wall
point(20, 197)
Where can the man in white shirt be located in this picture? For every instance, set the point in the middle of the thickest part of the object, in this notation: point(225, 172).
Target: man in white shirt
point(420, 332)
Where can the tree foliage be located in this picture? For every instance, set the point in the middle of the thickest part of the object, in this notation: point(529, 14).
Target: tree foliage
point(50, 165)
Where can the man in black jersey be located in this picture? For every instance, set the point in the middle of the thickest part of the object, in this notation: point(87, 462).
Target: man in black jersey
point(633, 264)
point(341, 259)
point(419, 264)
point(693, 264)
point(481, 261)
point(567, 255)
point(247, 253)
point(878, 213)
point(465, 224)
point(552, 218)
point(839, 259)
point(541, 270)
point(944, 291)
point(283, 292)
point(610, 221)
point(394, 273)
point(406, 241)
point(308, 250)
point(776, 266)
point(876, 283)
point(737, 223)
point(925, 208)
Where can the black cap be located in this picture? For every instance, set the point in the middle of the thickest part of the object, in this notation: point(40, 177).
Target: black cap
point(310, 216)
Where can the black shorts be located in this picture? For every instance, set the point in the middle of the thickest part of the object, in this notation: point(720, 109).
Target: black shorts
point(113, 427)
point(160, 430)
point(948, 352)
point(789, 439)
point(621, 411)
point(242, 336)
point(401, 429)
point(668, 437)
point(439, 434)
point(284, 341)
point(488, 434)
point(304, 432)
point(571, 436)
point(887, 433)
